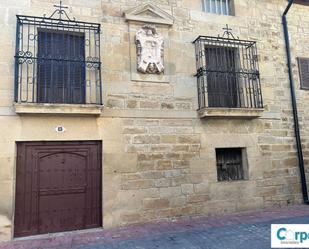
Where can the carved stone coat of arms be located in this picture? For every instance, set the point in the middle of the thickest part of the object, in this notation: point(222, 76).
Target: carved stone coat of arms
point(150, 50)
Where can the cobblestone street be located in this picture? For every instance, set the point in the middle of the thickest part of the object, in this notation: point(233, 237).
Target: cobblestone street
point(236, 231)
point(253, 236)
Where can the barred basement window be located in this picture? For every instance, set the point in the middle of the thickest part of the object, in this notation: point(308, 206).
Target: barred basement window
point(221, 7)
point(231, 164)
point(303, 67)
point(57, 60)
point(227, 72)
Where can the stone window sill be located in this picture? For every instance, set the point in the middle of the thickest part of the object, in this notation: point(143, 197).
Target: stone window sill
point(240, 113)
point(45, 108)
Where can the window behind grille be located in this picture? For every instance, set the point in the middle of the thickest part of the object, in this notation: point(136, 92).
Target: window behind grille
point(303, 65)
point(302, 2)
point(230, 164)
point(221, 77)
point(222, 7)
point(61, 67)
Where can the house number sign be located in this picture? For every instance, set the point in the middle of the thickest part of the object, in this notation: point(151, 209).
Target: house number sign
point(60, 129)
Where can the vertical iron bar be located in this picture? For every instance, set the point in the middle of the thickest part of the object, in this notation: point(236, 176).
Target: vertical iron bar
point(197, 70)
point(210, 6)
point(27, 62)
point(251, 79)
point(248, 90)
point(34, 62)
point(216, 7)
point(90, 78)
point(21, 64)
point(246, 77)
point(261, 105)
point(99, 49)
point(51, 83)
point(16, 99)
point(63, 66)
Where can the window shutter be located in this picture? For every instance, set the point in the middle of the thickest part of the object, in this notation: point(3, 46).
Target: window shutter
point(303, 65)
point(303, 2)
point(221, 77)
point(61, 75)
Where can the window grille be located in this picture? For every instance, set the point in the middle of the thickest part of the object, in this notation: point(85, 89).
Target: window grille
point(221, 7)
point(303, 67)
point(230, 166)
point(57, 60)
point(227, 72)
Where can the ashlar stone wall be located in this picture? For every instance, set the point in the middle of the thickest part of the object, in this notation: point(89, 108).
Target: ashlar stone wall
point(159, 157)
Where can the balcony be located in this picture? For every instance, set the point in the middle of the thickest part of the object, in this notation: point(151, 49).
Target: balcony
point(57, 65)
point(228, 79)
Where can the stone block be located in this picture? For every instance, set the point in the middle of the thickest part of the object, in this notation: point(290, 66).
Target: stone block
point(178, 148)
point(201, 188)
point(149, 104)
point(172, 173)
point(152, 175)
point(173, 156)
point(168, 106)
point(187, 189)
point(145, 165)
point(168, 139)
point(115, 103)
point(131, 218)
point(146, 139)
point(132, 104)
point(178, 201)
point(119, 162)
point(155, 203)
point(189, 139)
point(160, 148)
point(164, 165)
point(134, 130)
point(197, 198)
point(181, 164)
point(149, 156)
point(137, 184)
point(163, 182)
point(170, 192)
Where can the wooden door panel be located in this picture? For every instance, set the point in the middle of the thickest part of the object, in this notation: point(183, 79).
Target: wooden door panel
point(53, 176)
point(58, 187)
point(61, 212)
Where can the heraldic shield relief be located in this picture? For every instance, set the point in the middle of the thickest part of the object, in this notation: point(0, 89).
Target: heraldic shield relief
point(150, 49)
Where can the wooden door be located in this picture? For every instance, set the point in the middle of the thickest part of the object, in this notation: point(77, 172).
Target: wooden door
point(58, 187)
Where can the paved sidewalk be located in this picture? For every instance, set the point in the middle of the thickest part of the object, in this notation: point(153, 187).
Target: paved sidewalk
point(250, 230)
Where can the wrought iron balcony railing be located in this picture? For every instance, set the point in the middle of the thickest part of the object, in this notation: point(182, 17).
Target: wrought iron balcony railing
point(57, 60)
point(227, 72)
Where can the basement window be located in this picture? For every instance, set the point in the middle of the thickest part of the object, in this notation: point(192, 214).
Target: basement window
point(231, 164)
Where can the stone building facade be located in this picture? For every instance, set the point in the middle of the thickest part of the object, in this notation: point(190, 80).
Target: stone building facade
point(158, 153)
